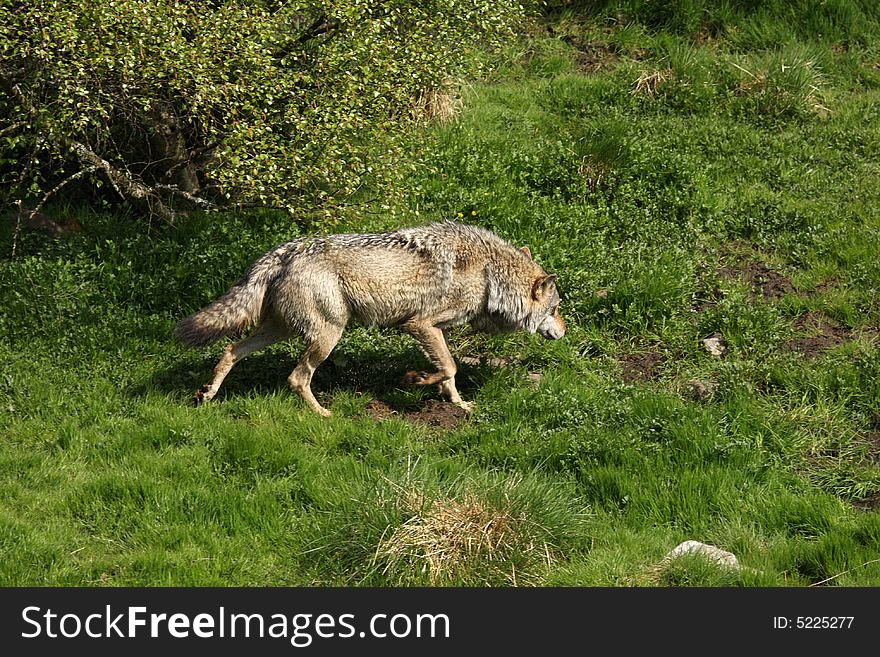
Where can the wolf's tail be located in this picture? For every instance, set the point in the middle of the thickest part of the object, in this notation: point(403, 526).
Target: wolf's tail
point(239, 308)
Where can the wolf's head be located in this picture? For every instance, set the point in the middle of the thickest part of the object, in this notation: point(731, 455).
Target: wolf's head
point(520, 295)
point(544, 313)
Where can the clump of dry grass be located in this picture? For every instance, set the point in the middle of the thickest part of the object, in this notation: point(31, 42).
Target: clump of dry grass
point(592, 172)
point(465, 540)
point(440, 104)
point(650, 82)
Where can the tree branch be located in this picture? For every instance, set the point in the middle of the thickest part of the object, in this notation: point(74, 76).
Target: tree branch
point(123, 184)
point(192, 198)
point(318, 27)
point(54, 190)
point(12, 128)
point(30, 214)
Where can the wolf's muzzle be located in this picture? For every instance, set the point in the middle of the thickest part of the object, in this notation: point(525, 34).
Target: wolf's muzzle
point(553, 327)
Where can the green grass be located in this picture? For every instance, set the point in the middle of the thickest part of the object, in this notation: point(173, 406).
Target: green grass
point(669, 166)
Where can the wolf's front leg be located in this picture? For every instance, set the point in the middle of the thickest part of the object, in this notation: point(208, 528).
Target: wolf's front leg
point(433, 343)
point(447, 389)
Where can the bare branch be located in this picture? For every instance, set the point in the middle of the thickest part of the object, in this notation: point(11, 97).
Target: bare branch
point(12, 128)
point(192, 198)
point(194, 156)
point(123, 184)
point(197, 153)
point(29, 215)
point(17, 230)
point(318, 27)
point(54, 190)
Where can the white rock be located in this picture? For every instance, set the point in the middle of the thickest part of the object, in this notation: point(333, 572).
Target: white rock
point(712, 553)
point(715, 345)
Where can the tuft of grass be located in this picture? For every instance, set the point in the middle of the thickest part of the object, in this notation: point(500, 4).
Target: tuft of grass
point(440, 104)
point(453, 526)
point(450, 536)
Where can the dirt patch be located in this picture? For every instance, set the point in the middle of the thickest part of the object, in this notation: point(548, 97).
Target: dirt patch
point(644, 366)
point(825, 285)
point(434, 413)
point(438, 414)
point(764, 281)
point(871, 503)
point(822, 332)
point(592, 56)
point(379, 410)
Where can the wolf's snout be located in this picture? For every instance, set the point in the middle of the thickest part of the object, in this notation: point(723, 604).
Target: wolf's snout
point(553, 327)
point(552, 334)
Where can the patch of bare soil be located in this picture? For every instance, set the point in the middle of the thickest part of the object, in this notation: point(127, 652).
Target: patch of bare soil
point(821, 333)
point(643, 366)
point(764, 281)
point(379, 410)
point(434, 413)
point(592, 56)
point(437, 413)
point(870, 503)
point(825, 285)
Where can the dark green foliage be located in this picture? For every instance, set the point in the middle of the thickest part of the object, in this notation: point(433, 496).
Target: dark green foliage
point(260, 103)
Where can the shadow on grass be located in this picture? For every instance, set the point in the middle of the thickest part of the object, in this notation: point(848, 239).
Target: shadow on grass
point(370, 372)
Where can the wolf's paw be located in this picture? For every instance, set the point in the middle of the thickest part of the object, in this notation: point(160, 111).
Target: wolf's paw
point(201, 395)
point(415, 378)
point(468, 407)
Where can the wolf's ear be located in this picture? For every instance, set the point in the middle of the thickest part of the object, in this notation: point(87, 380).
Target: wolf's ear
point(526, 250)
point(542, 284)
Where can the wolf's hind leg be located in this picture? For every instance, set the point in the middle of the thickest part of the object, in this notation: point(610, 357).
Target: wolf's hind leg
point(319, 345)
point(433, 343)
point(269, 332)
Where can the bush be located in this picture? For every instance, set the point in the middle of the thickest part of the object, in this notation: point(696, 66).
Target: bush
point(262, 103)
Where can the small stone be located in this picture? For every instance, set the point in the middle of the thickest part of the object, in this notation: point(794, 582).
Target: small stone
point(712, 553)
point(715, 345)
point(699, 390)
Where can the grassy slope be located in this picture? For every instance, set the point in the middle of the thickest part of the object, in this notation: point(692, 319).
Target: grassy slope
point(670, 177)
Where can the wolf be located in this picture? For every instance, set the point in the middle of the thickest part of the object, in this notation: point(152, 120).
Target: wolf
point(423, 280)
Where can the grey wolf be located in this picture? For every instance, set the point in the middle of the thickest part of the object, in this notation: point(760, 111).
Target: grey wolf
point(422, 280)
